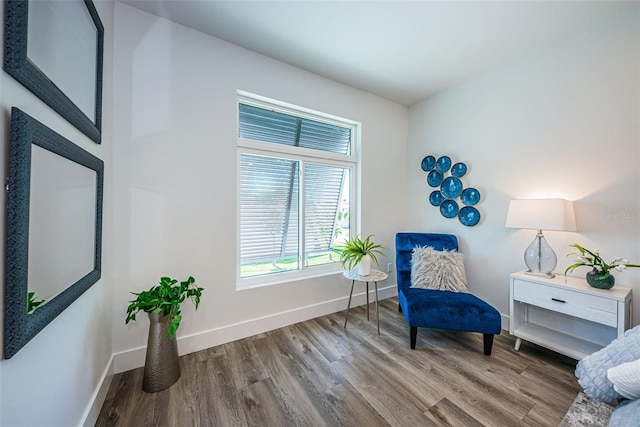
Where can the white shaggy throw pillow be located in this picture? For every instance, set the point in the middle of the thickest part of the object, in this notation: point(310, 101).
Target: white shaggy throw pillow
point(626, 379)
point(440, 270)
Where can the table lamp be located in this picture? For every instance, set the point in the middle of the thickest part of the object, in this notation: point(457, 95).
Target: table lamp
point(541, 214)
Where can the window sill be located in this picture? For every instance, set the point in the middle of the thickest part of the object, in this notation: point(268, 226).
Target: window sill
point(293, 276)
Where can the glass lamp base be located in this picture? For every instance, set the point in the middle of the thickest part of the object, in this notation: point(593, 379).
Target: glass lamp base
point(540, 258)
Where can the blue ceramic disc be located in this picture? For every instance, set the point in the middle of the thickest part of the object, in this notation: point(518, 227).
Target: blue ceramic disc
point(451, 187)
point(428, 163)
point(469, 216)
point(443, 164)
point(458, 170)
point(436, 198)
point(470, 196)
point(449, 208)
point(434, 178)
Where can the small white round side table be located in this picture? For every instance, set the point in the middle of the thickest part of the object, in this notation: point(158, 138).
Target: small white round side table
point(374, 276)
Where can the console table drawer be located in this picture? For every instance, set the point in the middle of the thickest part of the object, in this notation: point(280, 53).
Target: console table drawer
point(584, 306)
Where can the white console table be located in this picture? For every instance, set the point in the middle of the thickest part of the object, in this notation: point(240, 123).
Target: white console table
point(569, 317)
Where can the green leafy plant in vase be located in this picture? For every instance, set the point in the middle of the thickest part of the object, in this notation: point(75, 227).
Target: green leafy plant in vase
point(162, 303)
point(359, 254)
point(600, 275)
point(165, 298)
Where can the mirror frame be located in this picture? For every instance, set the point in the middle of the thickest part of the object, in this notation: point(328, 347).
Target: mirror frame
point(20, 67)
point(20, 327)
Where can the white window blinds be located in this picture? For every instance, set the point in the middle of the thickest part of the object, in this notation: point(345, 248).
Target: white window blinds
point(264, 125)
point(275, 208)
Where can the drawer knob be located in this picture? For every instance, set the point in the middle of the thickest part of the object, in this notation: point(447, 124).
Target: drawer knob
point(558, 300)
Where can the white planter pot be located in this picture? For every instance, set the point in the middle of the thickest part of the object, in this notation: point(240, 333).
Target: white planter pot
point(364, 266)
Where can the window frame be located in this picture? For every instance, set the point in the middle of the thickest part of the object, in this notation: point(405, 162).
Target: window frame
point(305, 156)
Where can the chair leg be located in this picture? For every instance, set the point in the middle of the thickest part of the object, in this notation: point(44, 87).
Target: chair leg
point(413, 332)
point(488, 343)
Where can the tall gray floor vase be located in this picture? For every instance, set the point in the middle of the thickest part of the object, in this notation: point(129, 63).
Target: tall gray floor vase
point(161, 367)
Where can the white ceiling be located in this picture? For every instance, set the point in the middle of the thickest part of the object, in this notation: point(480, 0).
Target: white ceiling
point(404, 51)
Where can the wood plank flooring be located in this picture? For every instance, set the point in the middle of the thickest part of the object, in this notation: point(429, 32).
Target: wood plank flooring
point(316, 373)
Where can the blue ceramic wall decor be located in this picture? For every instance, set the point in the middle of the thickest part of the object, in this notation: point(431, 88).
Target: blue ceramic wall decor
point(458, 170)
point(470, 196)
point(469, 216)
point(434, 178)
point(443, 164)
point(448, 188)
point(428, 163)
point(451, 187)
point(449, 208)
point(436, 198)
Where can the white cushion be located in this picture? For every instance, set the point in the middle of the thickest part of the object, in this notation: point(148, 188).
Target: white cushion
point(440, 270)
point(626, 379)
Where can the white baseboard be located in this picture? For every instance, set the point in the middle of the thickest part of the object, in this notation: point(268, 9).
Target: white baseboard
point(98, 397)
point(134, 358)
point(505, 322)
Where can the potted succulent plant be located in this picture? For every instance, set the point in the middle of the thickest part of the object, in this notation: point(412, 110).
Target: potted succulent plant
point(359, 254)
point(162, 304)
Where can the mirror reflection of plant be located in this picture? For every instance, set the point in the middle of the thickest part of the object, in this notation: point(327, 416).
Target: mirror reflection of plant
point(33, 303)
point(166, 298)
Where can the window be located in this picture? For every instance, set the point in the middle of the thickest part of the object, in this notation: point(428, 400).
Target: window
point(296, 191)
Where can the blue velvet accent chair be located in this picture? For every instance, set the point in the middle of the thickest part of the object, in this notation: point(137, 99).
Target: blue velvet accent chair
point(427, 308)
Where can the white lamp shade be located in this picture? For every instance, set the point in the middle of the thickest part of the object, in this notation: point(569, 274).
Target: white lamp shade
point(541, 214)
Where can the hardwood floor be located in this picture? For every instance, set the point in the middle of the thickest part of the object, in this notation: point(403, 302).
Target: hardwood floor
point(316, 373)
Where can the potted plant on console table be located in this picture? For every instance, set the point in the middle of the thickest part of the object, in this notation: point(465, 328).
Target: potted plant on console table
point(600, 275)
point(162, 304)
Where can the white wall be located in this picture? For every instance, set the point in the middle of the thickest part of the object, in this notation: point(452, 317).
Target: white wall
point(560, 122)
point(55, 378)
point(175, 173)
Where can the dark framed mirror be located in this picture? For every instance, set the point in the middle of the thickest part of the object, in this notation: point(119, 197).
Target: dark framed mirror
point(54, 228)
point(54, 49)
